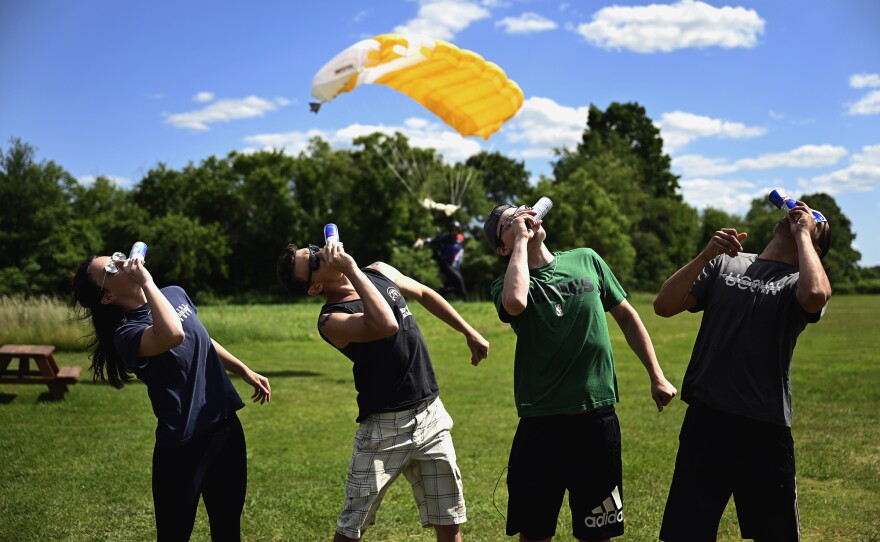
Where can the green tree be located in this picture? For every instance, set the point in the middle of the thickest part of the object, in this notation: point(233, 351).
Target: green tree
point(36, 200)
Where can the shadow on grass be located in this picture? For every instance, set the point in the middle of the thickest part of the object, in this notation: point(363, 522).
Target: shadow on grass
point(6, 398)
point(301, 374)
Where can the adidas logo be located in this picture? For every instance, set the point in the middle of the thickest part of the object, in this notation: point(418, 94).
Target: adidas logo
point(611, 511)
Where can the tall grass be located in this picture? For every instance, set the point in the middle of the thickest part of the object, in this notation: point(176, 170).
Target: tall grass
point(41, 320)
point(79, 470)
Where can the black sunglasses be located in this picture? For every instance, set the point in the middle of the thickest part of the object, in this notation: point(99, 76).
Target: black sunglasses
point(314, 262)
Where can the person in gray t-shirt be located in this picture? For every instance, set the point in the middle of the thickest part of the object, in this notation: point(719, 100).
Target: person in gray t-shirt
point(736, 435)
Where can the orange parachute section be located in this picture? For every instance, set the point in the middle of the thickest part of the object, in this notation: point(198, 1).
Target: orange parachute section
point(473, 96)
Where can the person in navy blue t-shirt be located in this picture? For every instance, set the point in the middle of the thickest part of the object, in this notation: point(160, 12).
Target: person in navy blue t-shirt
point(156, 334)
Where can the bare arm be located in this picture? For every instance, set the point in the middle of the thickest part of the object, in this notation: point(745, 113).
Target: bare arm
point(166, 332)
point(439, 307)
point(640, 342)
point(675, 294)
point(813, 289)
point(262, 390)
point(376, 322)
point(515, 295)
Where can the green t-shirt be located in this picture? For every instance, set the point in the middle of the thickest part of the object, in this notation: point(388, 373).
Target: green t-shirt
point(563, 360)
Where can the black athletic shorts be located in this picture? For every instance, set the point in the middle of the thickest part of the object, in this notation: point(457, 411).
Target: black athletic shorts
point(721, 454)
point(575, 452)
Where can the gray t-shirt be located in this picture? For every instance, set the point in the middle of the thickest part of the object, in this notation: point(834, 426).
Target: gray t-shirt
point(741, 362)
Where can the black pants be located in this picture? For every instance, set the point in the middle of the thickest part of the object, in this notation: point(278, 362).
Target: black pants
point(213, 466)
point(453, 282)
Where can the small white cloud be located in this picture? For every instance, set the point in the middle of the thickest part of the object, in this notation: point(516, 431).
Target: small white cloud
point(730, 195)
point(420, 133)
point(868, 105)
point(156, 96)
point(862, 175)
point(776, 116)
point(862, 80)
point(665, 28)
point(527, 23)
point(694, 165)
point(545, 125)
point(804, 156)
point(118, 182)
point(222, 111)
point(679, 128)
point(443, 19)
point(203, 97)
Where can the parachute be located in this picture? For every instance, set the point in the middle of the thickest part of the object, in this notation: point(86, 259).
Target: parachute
point(471, 95)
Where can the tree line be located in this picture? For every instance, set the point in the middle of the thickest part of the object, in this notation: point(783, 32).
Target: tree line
point(216, 227)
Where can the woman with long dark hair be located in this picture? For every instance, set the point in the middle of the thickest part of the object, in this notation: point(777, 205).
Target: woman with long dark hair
point(156, 335)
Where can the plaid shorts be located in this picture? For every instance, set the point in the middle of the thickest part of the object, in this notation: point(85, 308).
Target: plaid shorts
point(415, 442)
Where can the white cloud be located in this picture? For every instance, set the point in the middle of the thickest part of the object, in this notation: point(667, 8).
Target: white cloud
point(442, 19)
point(527, 23)
point(679, 128)
point(119, 182)
point(203, 97)
point(802, 157)
point(776, 115)
point(224, 111)
point(665, 28)
point(862, 80)
point(694, 165)
point(868, 105)
point(730, 195)
point(544, 125)
point(420, 133)
point(862, 175)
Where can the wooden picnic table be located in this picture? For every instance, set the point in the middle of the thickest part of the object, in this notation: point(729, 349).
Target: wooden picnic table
point(45, 370)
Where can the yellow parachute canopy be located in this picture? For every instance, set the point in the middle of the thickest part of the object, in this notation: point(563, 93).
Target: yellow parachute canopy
point(470, 94)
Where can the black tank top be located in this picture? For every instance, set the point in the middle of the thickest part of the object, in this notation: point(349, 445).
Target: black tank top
point(394, 373)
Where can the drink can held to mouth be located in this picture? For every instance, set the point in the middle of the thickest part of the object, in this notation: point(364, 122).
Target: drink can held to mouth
point(331, 233)
point(542, 207)
point(783, 201)
point(138, 249)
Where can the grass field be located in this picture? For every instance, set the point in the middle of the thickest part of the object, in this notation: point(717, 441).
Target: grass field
point(79, 469)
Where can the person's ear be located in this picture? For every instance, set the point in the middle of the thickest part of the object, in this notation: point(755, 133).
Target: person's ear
point(107, 298)
point(316, 288)
point(503, 251)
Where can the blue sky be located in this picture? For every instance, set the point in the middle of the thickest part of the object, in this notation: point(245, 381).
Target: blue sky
point(748, 95)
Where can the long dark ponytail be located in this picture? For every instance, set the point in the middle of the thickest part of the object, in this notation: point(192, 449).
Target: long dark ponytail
point(106, 365)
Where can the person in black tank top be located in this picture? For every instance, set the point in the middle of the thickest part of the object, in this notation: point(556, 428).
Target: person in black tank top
point(403, 426)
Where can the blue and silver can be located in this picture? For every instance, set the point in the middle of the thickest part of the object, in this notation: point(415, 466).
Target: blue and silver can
point(331, 233)
point(138, 249)
point(783, 201)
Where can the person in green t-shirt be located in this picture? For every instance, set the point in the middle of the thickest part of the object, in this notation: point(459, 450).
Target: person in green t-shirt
point(565, 387)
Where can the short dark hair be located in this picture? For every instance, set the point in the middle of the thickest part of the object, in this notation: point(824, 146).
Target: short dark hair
point(284, 269)
point(490, 228)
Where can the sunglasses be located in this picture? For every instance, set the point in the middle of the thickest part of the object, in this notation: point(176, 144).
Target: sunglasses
point(314, 262)
point(507, 222)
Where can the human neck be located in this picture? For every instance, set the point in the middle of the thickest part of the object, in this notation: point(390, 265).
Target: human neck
point(781, 250)
point(540, 256)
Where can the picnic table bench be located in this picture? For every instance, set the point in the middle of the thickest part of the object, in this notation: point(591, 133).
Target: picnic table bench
point(46, 371)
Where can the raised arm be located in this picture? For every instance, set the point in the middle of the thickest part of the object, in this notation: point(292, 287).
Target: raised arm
point(439, 307)
point(640, 342)
point(814, 288)
point(675, 294)
point(166, 332)
point(376, 322)
point(515, 295)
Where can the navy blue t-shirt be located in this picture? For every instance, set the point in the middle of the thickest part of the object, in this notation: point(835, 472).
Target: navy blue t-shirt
point(188, 385)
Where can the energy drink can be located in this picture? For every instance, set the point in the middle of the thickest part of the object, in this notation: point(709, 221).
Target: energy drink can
point(785, 202)
point(138, 249)
point(331, 233)
point(542, 207)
